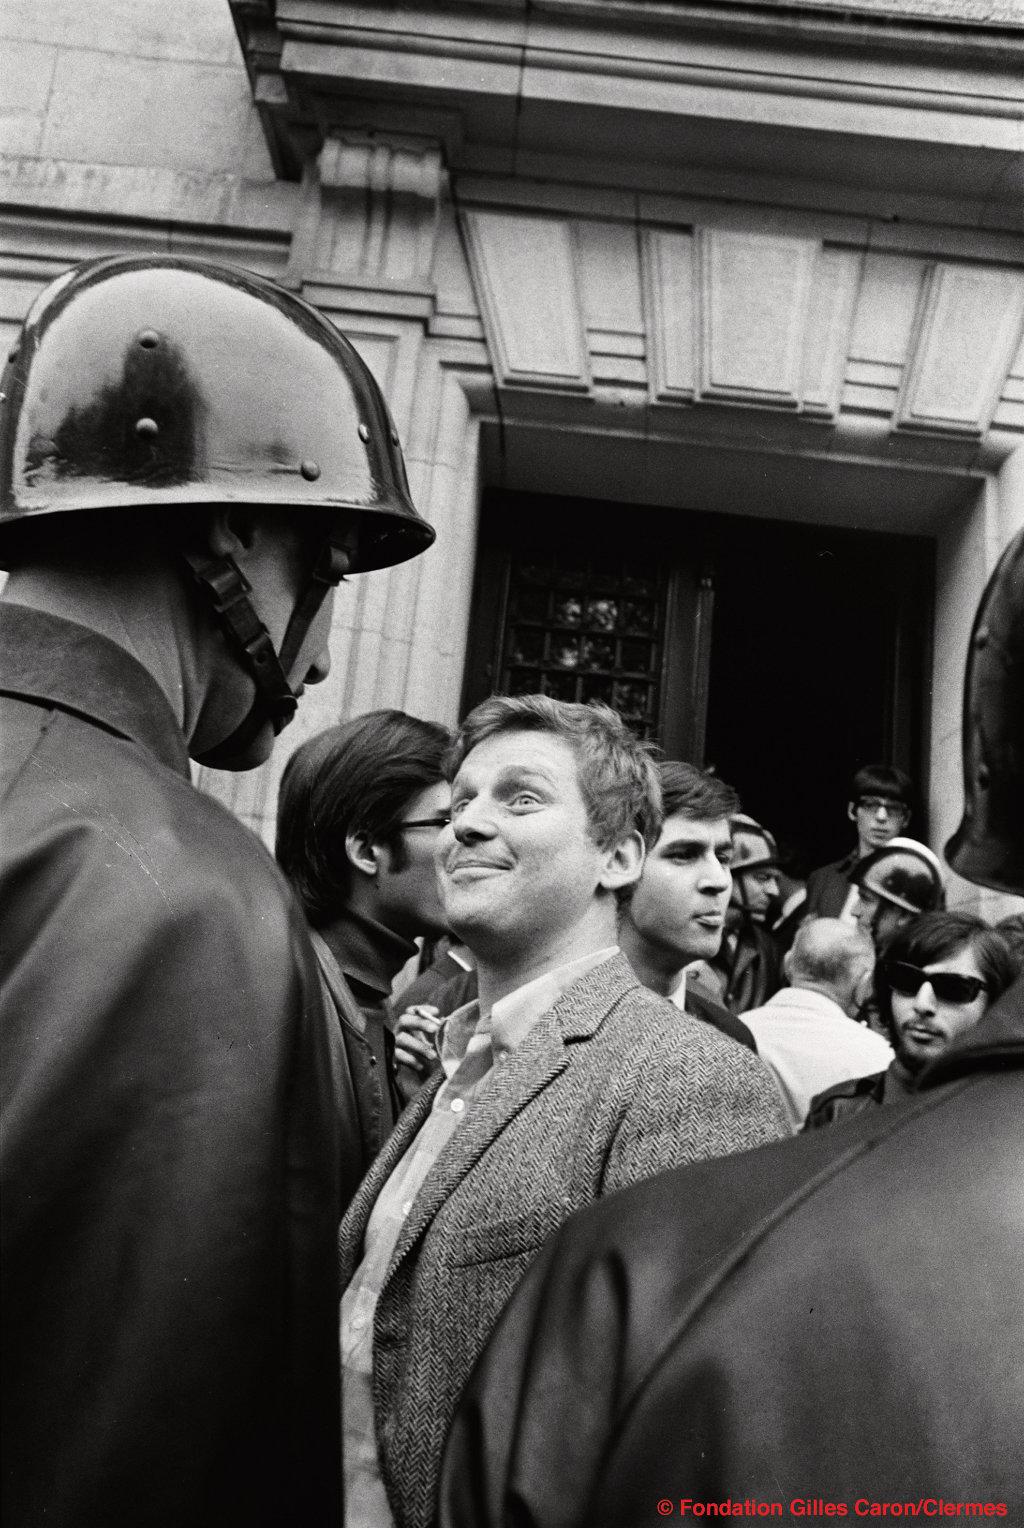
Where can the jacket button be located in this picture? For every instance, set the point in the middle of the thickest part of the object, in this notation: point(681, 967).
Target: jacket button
point(373, 1061)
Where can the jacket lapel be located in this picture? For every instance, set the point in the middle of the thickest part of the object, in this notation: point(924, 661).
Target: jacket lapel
point(514, 1083)
point(353, 1225)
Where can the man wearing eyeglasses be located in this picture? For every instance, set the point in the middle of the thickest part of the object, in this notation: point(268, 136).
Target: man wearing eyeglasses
point(879, 807)
point(359, 813)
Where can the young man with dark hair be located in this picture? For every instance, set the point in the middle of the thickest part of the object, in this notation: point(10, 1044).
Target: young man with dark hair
point(359, 813)
point(567, 1080)
point(676, 915)
point(879, 806)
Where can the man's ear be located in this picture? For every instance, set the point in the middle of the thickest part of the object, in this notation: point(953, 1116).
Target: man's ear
point(624, 863)
point(231, 530)
point(787, 966)
point(363, 854)
point(851, 810)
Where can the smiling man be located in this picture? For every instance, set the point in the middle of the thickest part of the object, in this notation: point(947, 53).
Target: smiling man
point(568, 1079)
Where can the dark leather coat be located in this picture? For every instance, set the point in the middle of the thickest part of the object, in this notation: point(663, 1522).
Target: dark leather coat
point(169, 1156)
point(837, 1317)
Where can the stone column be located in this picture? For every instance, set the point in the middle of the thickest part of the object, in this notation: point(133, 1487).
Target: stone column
point(364, 253)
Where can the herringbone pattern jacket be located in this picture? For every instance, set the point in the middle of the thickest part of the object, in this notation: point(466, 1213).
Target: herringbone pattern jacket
point(612, 1085)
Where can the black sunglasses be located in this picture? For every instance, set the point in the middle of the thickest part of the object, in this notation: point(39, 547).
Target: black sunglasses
point(948, 986)
point(440, 821)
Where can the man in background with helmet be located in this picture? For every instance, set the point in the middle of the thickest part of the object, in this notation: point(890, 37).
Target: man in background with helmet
point(830, 1320)
point(895, 884)
point(190, 459)
point(748, 967)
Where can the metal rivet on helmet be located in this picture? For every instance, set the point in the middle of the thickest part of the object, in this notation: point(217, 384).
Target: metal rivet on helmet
point(146, 428)
point(149, 339)
point(310, 470)
point(364, 432)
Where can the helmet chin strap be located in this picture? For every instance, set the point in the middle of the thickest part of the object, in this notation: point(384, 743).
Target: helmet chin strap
point(275, 701)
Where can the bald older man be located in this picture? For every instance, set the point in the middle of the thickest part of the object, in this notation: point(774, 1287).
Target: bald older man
point(807, 1032)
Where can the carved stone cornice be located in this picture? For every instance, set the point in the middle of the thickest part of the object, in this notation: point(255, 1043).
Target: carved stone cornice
point(369, 214)
point(902, 95)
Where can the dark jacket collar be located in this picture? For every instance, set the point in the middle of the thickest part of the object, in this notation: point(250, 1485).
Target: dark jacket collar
point(58, 663)
point(366, 951)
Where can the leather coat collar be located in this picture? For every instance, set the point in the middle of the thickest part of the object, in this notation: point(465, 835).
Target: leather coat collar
point(54, 662)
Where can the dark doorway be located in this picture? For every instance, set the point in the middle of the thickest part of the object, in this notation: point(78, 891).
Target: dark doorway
point(819, 663)
point(783, 656)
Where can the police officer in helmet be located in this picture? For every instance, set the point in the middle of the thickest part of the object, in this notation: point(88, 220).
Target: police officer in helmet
point(190, 460)
point(748, 967)
point(895, 884)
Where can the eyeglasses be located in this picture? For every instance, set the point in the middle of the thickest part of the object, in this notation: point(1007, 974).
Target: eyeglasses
point(882, 804)
point(948, 986)
point(440, 821)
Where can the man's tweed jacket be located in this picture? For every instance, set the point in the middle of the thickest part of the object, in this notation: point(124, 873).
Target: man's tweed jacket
point(610, 1086)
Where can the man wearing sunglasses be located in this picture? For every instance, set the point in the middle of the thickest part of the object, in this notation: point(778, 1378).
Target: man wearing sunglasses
point(359, 814)
point(938, 976)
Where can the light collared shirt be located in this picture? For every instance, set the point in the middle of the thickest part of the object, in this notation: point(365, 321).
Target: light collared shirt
point(811, 1044)
point(471, 1046)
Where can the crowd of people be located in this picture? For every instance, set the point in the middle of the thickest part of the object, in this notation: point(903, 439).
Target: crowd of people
point(444, 1172)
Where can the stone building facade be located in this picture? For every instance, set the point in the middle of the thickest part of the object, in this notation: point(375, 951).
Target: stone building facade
point(701, 325)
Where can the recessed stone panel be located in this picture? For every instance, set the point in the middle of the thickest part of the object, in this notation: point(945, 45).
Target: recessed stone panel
point(755, 292)
point(970, 327)
point(827, 335)
point(525, 278)
point(670, 302)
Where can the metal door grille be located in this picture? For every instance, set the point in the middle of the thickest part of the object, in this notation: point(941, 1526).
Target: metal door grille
point(580, 628)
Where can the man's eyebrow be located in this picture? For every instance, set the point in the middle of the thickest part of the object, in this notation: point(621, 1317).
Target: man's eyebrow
point(688, 844)
point(513, 774)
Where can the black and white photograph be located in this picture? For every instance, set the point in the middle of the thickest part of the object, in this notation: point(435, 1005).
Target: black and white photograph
point(511, 763)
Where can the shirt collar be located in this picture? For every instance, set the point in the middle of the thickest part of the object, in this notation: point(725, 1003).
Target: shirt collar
point(513, 1016)
point(55, 662)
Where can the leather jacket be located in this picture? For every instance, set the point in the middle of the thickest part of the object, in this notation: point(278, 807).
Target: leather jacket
point(169, 1159)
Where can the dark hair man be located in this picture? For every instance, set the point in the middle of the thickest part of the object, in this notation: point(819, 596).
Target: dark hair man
point(190, 458)
point(807, 1032)
point(937, 977)
point(676, 915)
point(567, 1080)
point(832, 1318)
point(360, 809)
point(879, 806)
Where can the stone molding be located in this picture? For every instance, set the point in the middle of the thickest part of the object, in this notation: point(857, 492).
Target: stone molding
point(370, 213)
point(581, 89)
point(755, 317)
point(524, 271)
point(971, 323)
